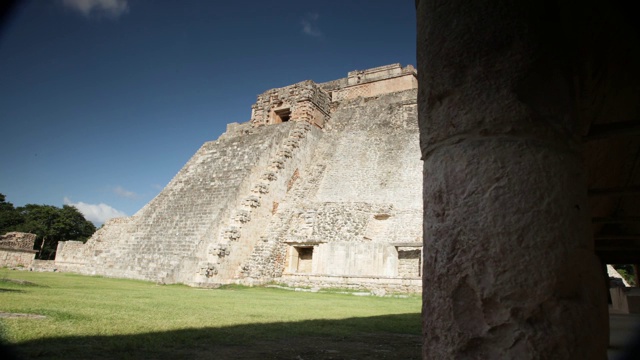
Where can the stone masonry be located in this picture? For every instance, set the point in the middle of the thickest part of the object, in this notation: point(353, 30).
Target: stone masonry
point(317, 189)
point(16, 249)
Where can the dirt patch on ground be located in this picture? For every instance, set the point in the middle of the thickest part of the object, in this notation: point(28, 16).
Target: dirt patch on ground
point(7, 315)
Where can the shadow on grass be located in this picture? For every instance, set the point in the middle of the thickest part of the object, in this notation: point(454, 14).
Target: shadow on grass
point(11, 290)
point(379, 337)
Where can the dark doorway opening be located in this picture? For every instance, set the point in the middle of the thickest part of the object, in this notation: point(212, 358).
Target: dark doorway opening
point(281, 115)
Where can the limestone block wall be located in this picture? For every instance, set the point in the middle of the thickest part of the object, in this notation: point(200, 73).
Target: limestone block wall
point(333, 85)
point(375, 163)
point(377, 285)
point(409, 262)
point(16, 249)
point(373, 82)
point(18, 240)
point(355, 202)
point(72, 253)
point(75, 256)
point(268, 259)
point(370, 89)
point(43, 266)
point(16, 257)
point(355, 259)
point(377, 73)
point(254, 208)
point(304, 101)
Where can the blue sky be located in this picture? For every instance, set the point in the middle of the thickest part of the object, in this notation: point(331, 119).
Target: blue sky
point(103, 101)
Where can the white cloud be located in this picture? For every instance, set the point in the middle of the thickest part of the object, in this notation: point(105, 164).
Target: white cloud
point(310, 26)
point(96, 213)
point(112, 8)
point(120, 191)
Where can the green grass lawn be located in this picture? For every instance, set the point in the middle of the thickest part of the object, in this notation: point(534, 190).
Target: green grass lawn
point(93, 317)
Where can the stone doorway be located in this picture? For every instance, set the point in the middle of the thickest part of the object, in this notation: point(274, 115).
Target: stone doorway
point(409, 262)
point(304, 259)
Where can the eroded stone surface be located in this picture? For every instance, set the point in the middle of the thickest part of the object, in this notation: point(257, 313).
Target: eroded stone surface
point(510, 271)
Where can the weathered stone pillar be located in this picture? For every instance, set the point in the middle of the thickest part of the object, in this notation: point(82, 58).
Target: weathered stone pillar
point(509, 268)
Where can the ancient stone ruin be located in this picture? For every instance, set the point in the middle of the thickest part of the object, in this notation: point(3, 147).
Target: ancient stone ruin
point(16, 249)
point(318, 189)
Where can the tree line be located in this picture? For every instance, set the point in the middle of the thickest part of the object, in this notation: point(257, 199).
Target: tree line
point(51, 224)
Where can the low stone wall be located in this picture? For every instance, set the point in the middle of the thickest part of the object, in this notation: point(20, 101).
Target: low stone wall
point(70, 252)
point(44, 266)
point(388, 284)
point(16, 249)
point(16, 257)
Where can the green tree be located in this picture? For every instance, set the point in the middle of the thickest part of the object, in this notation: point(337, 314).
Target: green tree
point(10, 217)
point(40, 220)
point(52, 225)
point(627, 272)
point(72, 225)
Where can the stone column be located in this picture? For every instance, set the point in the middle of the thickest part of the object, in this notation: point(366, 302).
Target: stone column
point(509, 267)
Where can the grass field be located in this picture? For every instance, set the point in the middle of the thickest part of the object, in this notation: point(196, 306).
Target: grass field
point(93, 317)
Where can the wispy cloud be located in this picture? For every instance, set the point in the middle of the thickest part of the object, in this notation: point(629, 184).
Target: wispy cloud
point(96, 213)
point(310, 25)
point(157, 187)
point(111, 8)
point(120, 191)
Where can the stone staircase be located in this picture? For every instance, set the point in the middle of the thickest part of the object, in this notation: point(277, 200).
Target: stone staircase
point(270, 252)
point(224, 259)
point(163, 235)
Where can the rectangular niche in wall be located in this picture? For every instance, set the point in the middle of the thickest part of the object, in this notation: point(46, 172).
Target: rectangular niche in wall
point(304, 255)
point(409, 262)
point(281, 115)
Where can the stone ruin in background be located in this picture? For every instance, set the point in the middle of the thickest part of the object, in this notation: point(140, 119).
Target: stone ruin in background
point(317, 189)
point(16, 249)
